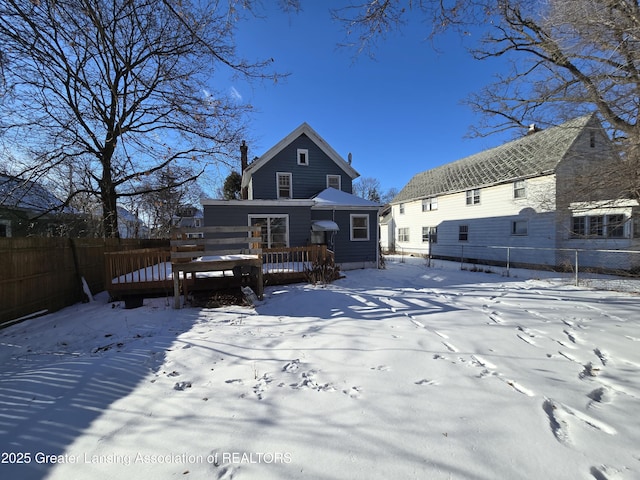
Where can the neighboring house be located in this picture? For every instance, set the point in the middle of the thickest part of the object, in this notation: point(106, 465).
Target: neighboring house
point(130, 225)
point(189, 216)
point(387, 229)
point(520, 194)
point(300, 193)
point(27, 208)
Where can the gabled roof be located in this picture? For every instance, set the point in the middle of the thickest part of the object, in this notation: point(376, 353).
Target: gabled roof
point(533, 155)
point(27, 195)
point(304, 128)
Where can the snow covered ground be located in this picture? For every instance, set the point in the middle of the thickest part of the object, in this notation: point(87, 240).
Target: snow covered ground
point(408, 372)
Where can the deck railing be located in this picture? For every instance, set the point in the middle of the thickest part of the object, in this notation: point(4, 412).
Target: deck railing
point(144, 268)
point(294, 259)
point(149, 270)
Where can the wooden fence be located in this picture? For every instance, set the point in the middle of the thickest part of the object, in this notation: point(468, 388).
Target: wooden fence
point(40, 274)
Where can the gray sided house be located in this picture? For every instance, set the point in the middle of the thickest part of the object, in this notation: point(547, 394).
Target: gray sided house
point(27, 208)
point(528, 193)
point(299, 192)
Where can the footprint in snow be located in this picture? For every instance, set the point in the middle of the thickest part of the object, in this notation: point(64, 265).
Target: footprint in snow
point(292, 366)
point(381, 368)
point(353, 392)
point(599, 396)
point(426, 381)
point(604, 358)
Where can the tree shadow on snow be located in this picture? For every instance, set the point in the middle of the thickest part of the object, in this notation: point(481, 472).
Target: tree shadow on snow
point(62, 371)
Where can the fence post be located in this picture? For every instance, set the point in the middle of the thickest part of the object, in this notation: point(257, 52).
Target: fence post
point(461, 257)
point(508, 260)
point(576, 253)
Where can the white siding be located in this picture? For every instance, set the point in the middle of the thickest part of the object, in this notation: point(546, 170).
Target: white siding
point(490, 221)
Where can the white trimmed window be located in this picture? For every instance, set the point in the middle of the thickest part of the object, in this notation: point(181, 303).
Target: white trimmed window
point(473, 196)
point(274, 229)
point(429, 234)
point(334, 181)
point(403, 234)
point(600, 226)
point(429, 204)
point(284, 185)
point(519, 189)
point(401, 209)
point(359, 227)
point(303, 156)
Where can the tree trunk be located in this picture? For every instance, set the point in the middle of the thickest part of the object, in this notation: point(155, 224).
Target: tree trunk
point(108, 196)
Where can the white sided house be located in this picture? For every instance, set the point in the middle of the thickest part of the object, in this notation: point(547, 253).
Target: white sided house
point(525, 193)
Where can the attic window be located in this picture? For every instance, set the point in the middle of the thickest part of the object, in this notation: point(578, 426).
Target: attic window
point(334, 181)
point(303, 156)
point(592, 139)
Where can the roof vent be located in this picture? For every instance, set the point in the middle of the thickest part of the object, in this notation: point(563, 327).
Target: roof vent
point(533, 128)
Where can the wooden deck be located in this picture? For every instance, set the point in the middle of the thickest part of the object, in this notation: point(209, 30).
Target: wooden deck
point(150, 271)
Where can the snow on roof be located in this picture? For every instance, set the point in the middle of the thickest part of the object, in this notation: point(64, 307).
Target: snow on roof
point(338, 198)
point(324, 226)
point(27, 195)
point(533, 155)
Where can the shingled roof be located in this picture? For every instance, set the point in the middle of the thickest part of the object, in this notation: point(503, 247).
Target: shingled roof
point(27, 195)
point(533, 155)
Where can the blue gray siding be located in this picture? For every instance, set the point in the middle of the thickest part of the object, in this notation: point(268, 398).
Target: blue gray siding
point(307, 180)
point(232, 215)
point(346, 250)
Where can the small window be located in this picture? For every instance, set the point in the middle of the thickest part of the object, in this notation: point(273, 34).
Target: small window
point(359, 227)
point(615, 226)
point(596, 226)
point(334, 181)
point(473, 196)
point(519, 190)
point(284, 185)
point(5, 228)
point(429, 204)
point(463, 233)
point(519, 227)
point(592, 139)
point(403, 234)
point(578, 227)
point(197, 222)
point(429, 234)
point(402, 209)
point(303, 156)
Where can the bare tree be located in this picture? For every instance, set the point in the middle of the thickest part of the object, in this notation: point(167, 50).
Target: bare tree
point(368, 188)
point(161, 196)
point(567, 57)
point(120, 89)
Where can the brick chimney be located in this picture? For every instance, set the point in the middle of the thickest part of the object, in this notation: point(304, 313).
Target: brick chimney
point(244, 159)
point(244, 163)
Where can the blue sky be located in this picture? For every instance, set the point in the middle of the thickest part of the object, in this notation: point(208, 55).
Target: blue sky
point(398, 115)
